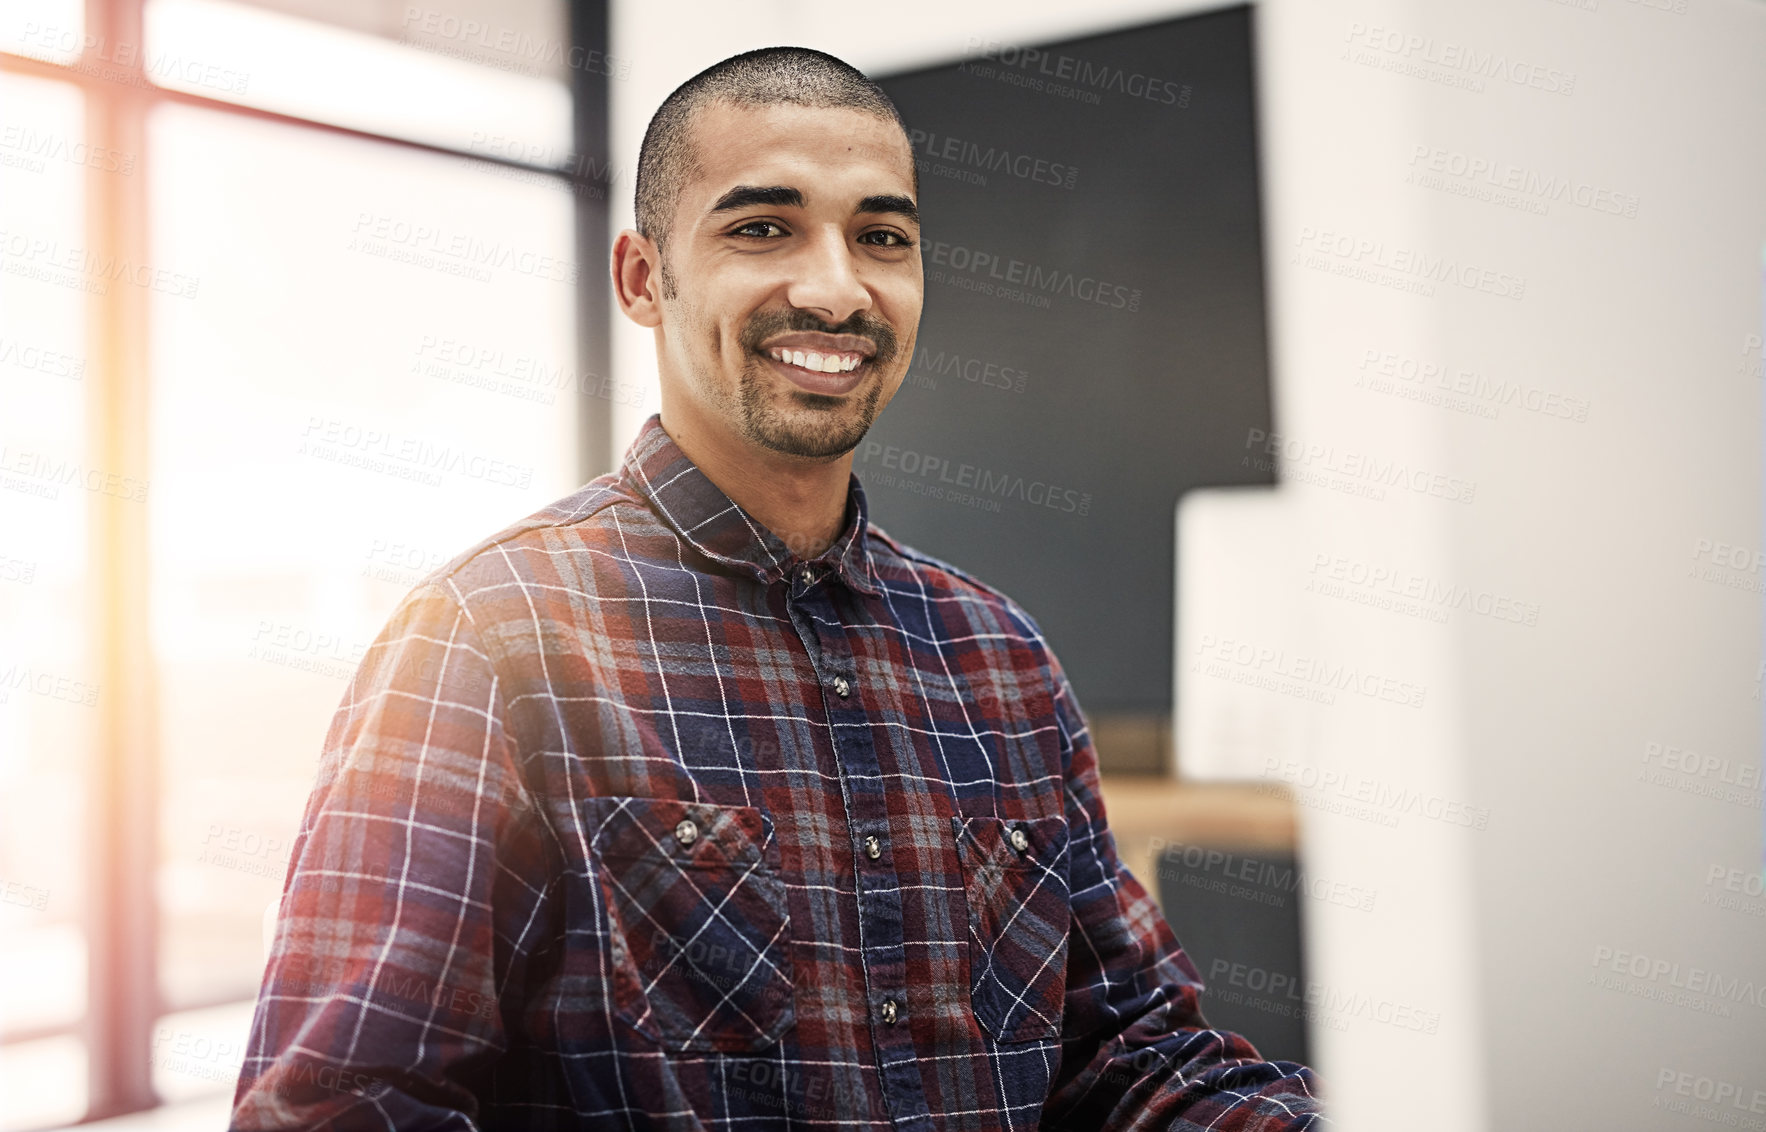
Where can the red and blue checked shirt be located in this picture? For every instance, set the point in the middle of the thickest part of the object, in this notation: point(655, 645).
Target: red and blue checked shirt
point(633, 818)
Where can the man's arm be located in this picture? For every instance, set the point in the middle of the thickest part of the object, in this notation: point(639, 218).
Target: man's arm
point(416, 887)
point(1136, 1051)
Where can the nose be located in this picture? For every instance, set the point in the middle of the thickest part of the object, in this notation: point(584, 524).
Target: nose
point(826, 279)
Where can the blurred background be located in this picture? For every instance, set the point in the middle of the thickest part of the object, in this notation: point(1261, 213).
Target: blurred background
point(1365, 397)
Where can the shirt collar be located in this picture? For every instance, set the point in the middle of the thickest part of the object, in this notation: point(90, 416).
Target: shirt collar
point(719, 528)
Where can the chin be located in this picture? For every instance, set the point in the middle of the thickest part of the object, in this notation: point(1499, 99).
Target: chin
point(825, 431)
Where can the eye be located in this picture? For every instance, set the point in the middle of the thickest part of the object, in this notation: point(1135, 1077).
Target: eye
point(890, 239)
point(748, 229)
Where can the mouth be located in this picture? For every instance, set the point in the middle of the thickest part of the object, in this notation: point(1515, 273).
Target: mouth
point(820, 371)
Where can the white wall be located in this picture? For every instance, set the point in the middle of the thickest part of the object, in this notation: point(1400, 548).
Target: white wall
point(1481, 773)
point(1575, 521)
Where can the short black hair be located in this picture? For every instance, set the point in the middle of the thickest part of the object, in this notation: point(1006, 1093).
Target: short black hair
point(768, 76)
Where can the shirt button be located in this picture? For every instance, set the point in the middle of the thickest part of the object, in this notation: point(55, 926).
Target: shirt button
point(1019, 841)
point(873, 847)
point(842, 687)
point(889, 1011)
point(809, 575)
point(686, 831)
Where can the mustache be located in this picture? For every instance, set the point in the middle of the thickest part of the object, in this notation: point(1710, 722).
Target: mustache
point(765, 324)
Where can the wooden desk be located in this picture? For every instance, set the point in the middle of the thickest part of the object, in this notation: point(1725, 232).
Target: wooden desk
point(1149, 812)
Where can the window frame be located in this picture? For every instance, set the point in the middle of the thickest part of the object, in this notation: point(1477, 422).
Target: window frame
point(122, 815)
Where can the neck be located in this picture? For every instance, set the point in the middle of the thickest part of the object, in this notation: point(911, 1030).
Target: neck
point(801, 500)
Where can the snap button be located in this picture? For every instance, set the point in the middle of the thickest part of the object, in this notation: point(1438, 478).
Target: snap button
point(809, 575)
point(889, 1011)
point(873, 847)
point(1019, 841)
point(841, 686)
point(686, 831)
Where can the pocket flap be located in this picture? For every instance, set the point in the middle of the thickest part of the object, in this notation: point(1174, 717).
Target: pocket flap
point(988, 840)
point(632, 828)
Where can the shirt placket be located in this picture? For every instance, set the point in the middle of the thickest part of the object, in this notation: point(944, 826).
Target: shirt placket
point(883, 950)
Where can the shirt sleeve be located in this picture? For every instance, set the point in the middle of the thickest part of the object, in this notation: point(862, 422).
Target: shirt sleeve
point(415, 886)
point(1136, 1051)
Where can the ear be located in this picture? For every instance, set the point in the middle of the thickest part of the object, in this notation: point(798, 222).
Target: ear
point(637, 278)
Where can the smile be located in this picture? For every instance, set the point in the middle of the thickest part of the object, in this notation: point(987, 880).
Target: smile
point(816, 361)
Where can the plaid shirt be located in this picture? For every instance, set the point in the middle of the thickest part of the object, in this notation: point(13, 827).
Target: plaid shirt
point(633, 818)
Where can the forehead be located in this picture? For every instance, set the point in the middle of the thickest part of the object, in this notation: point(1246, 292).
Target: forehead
point(839, 151)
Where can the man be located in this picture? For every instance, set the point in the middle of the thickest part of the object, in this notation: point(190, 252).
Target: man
point(695, 800)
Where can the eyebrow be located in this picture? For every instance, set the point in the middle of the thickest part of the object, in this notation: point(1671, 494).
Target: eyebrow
point(750, 196)
point(888, 202)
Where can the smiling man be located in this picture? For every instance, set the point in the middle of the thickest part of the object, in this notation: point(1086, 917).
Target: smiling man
point(696, 800)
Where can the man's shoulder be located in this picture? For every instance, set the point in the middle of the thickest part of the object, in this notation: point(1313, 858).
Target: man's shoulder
point(912, 572)
point(519, 552)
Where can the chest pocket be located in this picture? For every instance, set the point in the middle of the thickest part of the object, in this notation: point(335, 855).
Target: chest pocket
point(1015, 877)
point(699, 930)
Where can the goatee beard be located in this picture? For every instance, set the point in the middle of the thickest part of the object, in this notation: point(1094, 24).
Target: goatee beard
point(821, 427)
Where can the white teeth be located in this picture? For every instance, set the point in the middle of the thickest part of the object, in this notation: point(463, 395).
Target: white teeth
point(817, 361)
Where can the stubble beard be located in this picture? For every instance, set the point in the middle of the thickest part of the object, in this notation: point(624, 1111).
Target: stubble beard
point(811, 425)
point(814, 426)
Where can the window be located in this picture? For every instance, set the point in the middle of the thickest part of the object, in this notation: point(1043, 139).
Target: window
point(283, 327)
